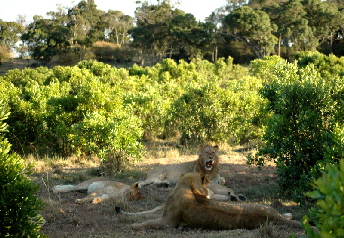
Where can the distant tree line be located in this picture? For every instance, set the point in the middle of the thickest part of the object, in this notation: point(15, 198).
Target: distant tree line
point(243, 29)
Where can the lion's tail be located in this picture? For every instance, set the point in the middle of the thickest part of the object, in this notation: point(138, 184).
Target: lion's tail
point(120, 211)
point(294, 223)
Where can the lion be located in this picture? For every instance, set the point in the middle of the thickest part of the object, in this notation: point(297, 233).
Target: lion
point(207, 163)
point(101, 189)
point(189, 205)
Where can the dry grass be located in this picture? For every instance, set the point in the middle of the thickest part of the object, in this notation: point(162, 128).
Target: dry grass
point(67, 219)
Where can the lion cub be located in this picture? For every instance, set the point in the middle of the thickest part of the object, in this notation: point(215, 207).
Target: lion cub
point(101, 189)
point(189, 204)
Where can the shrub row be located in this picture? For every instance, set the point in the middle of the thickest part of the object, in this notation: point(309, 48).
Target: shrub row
point(94, 108)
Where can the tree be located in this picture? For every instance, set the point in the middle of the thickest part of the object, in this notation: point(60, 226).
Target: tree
point(209, 38)
point(338, 3)
point(293, 28)
point(9, 33)
point(234, 4)
point(218, 15)
point(151, 34)
point(254, 28)
point(21, 48)
point(9, 36)
point(118, 26)
point(46, 38)
point(186, 33)
point(325, 19)
point(84, 22)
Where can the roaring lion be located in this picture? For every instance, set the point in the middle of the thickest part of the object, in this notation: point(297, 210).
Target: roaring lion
point(189, 205)
point(207, 163)
point(101, 189)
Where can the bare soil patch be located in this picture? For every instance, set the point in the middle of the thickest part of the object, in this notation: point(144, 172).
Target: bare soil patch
point(64, 218)
point(15, 63)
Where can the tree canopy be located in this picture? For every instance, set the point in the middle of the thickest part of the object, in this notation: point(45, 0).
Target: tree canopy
point(240, 29)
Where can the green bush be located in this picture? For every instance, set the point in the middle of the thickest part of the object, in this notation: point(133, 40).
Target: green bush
point(221, 114)
point(72, 110)
point(327, 66)
point(329, 213)
point(112, 136)
point(150, 107)
point(262, 68)
point(18, 204)
point(302, 133)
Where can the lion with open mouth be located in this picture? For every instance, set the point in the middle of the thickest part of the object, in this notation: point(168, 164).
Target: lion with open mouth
point(208, 162)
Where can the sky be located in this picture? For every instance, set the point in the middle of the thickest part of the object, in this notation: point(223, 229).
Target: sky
point(10, 9)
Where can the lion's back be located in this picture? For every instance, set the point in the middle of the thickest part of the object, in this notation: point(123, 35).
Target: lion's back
point(171, 172)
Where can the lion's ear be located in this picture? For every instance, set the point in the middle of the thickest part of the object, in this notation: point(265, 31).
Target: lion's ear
point(216, 147)
point(205, 179)
point(200, 147)
point(135, 185)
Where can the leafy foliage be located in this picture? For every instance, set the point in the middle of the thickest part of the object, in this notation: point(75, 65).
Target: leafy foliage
point(76, 110)
point(221, 114)
point(18, 204)
point(46, 38)
point(9, 33)
point(329, 213)
point(254, 28)
point(240, 29)
point(327, 66)
point(301, 135)
point(96, 109)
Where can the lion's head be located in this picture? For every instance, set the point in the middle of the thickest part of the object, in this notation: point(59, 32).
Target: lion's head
point(208, 156)
point(133, 193)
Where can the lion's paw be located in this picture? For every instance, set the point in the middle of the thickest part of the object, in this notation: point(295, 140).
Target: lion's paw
point(63, 188)
point(242, 197)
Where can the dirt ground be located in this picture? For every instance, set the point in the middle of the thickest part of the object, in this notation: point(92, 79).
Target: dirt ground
point(64, 218)
point(15, 63)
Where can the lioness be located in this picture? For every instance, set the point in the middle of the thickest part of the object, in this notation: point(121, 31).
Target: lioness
point(189, 204)
point(207, 163)
point(100, 189)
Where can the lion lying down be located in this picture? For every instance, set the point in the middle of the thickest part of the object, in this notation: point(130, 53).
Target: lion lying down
point(189, 205)
point(101, 189)
point(207, 163)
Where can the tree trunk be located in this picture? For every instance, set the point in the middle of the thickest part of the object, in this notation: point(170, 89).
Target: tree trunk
point(331, 43)
point(279, 45)
point(287, 48)
point(216, 52)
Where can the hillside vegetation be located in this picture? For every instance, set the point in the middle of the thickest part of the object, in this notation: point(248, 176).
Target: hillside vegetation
point(292, 113)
